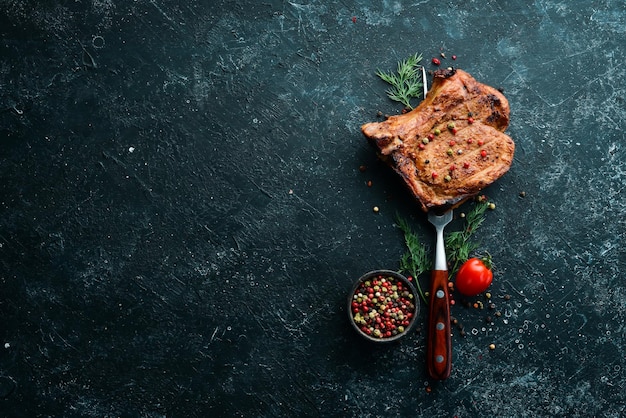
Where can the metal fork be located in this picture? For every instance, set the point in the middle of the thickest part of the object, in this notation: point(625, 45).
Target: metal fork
point(439, 345)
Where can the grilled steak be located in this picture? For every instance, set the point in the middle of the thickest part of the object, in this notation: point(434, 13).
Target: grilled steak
point(452, 145)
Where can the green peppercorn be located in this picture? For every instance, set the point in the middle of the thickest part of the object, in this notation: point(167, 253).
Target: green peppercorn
point(437, 131)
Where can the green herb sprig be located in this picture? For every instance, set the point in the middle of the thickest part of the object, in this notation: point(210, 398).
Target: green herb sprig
point(406, 83)
point(459, 244)
point(415, 260)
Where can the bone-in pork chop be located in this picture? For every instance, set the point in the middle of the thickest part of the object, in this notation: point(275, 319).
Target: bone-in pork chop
point(452, 145)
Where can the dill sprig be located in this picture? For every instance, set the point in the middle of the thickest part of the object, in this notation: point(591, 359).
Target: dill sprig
point(415, 260)
point(406, 83)
point(459, 244)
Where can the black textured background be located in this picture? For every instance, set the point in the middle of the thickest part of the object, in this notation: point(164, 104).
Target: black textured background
point(182, 212)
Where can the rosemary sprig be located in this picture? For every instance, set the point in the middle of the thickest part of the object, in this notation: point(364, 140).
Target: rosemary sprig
point(415, 260)
point(406, 83)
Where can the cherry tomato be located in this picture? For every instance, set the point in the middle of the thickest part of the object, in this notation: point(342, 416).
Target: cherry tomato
point(473, 277)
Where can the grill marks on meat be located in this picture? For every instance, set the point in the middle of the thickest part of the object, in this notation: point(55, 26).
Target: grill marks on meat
point(452, 145)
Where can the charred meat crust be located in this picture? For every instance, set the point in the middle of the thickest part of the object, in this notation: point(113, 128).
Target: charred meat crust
point(444, 73)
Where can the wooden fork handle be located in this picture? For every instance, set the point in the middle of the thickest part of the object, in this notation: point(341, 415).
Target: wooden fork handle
point(439, 343)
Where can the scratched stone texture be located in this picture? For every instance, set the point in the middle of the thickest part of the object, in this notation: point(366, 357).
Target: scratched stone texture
point(182, 212)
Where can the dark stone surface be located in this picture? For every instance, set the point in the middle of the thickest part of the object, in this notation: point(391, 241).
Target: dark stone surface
point(182, 213)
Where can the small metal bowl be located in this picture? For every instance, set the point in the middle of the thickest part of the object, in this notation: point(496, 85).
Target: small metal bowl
point(359, 315)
